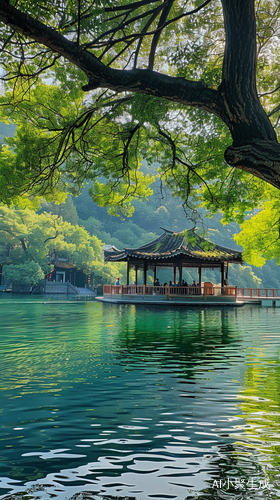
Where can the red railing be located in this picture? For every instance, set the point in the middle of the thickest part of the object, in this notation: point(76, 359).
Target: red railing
point(258, 293)
point(199, 291)
point(169, 291)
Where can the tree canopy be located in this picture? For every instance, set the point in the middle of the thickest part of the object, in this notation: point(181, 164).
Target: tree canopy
point(27, 240)
point(96, 87)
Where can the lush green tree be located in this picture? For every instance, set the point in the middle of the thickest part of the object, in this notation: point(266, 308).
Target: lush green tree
point(66, 210)
point(263, 229)
point(30, 237)
point(191, 84)
point(199, 77)
point(28, 273)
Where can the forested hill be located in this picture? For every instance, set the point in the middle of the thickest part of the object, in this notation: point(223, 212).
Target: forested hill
point(161, 210)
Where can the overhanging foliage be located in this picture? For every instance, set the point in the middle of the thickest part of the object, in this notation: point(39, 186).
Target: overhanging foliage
point(95, 87)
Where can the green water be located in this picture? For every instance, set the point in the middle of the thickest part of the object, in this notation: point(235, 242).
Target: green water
point(153, 402)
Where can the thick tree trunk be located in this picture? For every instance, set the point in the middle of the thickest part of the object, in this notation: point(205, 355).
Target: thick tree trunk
point(255, 148)
point(243, 113)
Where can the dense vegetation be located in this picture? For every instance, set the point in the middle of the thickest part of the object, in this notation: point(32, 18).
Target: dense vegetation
point(96, 87)
point(27, 240)
point(162, 210)
point(78, 228)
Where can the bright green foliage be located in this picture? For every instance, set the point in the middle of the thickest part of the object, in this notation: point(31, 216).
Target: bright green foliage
point(27, 273)
point(260, 236)
point(26, 236)
point(66, 138)
point(66, 210)
point(60, 142)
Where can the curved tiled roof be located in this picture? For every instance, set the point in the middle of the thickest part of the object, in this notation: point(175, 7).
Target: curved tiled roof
point(186, 244)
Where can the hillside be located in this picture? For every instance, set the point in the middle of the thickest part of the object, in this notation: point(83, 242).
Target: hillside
point(145, 225)
point(161, 210)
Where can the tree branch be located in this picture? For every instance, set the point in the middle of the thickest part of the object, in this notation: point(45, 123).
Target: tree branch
point(130, 6)
point(100, 76)
point(52, 237)
point(143, 32)
point(79, 22)
point(261, 158)
point(156, 36)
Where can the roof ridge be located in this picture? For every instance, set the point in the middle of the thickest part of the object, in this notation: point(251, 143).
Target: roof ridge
point(167, 230)
point(170, 231)
point(147, 244)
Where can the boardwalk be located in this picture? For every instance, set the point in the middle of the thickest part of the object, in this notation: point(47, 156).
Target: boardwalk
point(258, 294)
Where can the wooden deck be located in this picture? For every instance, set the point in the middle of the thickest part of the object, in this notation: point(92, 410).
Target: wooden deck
point(176, 295)
point(187, 295)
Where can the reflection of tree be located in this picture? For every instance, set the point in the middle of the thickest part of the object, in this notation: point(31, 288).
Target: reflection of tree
point(183, 342)
point(255, 454)
point(172, 335)
point(260, 405)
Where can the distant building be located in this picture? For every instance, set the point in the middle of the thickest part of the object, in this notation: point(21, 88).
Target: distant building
point(65, 271)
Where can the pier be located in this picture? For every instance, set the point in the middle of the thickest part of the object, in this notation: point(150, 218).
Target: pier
point(187, 295)
point(175, 295)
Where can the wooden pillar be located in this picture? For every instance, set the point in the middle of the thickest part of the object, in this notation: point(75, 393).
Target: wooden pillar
point(155, 273)
point(180, 273)
point(145, 272)
point(199, 275)
point(222, 274)
point(127, 272)
point(136, 275)
point(174, 275)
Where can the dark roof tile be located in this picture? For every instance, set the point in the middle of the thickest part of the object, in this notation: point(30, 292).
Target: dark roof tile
point(171, 244)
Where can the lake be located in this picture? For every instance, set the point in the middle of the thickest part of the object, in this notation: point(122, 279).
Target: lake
point(148, 402)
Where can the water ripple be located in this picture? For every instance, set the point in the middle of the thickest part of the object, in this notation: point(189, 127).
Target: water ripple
point(161, 403)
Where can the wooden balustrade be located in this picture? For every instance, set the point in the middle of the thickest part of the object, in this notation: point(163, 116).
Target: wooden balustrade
point(258, 293)
point(190, 290)
point(169, 291)
point(201, 292)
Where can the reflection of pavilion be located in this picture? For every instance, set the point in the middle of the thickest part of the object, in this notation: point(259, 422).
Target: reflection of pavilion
point(178, 251)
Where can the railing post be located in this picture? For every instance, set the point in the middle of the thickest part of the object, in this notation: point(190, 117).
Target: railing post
point(205, 293)
point(144, 290)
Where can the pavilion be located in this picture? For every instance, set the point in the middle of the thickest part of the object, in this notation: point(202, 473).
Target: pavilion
point(177, 250)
